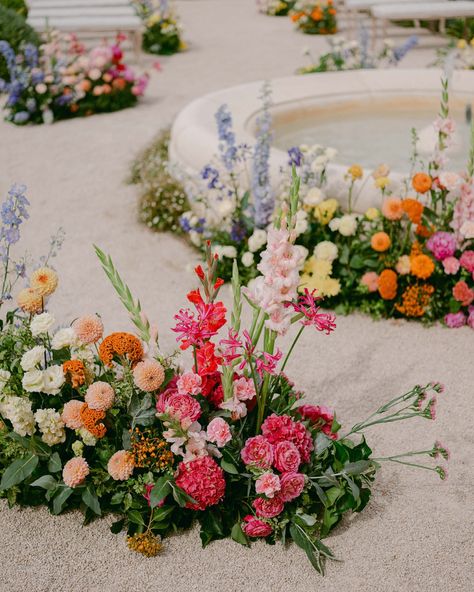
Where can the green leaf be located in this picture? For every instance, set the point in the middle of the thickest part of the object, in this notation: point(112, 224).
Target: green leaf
point(356, 262)
point(307, 519)
point(238, 535)
point(353, 487)
point(211, 527)
point(89, 497)
point(229, 467)
point(142, 410)
point(301, 538)
point(38, 447)
point(117, 526)
point(320, 491)
point(61, 499)
point(117, 498)
point(161, 489)
point(46, 482)
point(54, 463)
point(135, 517)
point(321, 443)
point(18, 471)
point(181, 497)
point(356, 468)
point(161, 513)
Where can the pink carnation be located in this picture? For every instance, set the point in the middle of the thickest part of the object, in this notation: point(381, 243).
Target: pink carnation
point(292, 485)
point(244, 389)
point(286, 457)
point(218, 431)
point(442, 245)
point(470, 318)
point(203, 480)
point(277, 428)
point(258, 452)
point(371, 280)
point(268, 484)
point(189, 384)
point(71, 414)
point(75, 471)
point(451, 265)
point(183, 407)
point(253, 527)
point(467, 261)
point(268, 508)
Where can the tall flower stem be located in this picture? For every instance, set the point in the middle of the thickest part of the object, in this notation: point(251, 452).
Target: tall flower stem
point(290, 351)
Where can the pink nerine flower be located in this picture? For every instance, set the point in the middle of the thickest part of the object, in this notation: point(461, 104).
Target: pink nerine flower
point(203, 480)
point(442, 245)
point(189, 384)
point(120, 466)
point(253, 527)
point(71, 414)
point(257, 451)
point(292, 485)
point(89, 329)
point(218, 431)
point(454, 320)
point(75, 471)
point(308, 307)
point(286, 457)
point(268, 484)
point(183, 407)
point(370, 279)
point(467, 261)
point(100, 396)
point(451, 265)
point(277, 428)
point(244, 389)
point(268, 508)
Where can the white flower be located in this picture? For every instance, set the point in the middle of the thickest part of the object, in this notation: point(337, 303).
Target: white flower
point(334, 224)
point(64, 338)
point(41, 323)
point(467, 229)
point(51, 426)
point(77, 447)
point(326, 250)
point(313, 197)
point(84, 353)
point(48, 117)
point(347, 225)
point(225, 251)
point(18, 411)
point(302, 253)
point(33, 381)
point(195, 238)
point(224, 207)
point(41, 88)
point(257, 240)
point(4, 378)
point(247, 259)
point(87, 437)
point(301, 224)
point(330, 153)
point(53, 380)
point(449, 180)
point(32, 358)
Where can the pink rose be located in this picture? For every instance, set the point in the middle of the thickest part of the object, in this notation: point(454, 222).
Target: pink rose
point(292, 484)
point(286, 457)
point(189, 384)
point(258, 452)
point(268, 508)
point(253, 527)
point(467, 261)
point(183, 407)
point(451, 265)
point(244, 389)
point(218, 431)
point(268, 484)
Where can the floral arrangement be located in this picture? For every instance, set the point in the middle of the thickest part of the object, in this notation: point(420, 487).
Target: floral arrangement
point(275, 7)
point(355, 55)
point(163, 30)
point(60, 80)
point(110, 423)
point(459, 55)
point(315, 17)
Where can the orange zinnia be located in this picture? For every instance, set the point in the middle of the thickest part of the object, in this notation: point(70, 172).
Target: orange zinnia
point(122, 345)
point(74, 372)
point(422, 266)
point(380, 242)
point(421, 182)
point(413, 209)
point(388, 284)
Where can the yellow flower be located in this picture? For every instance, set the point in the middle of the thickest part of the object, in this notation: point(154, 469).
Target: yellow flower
point(153, 19)
point(372, 214)
point(30, 300)
point(324, 212)
point(472, 42)
point(462, 44)
point(318, 267)
point(382, 182)
point(325, 286)
point(44, 281)
point(355, 171)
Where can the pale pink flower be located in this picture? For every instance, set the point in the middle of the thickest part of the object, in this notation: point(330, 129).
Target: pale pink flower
point(268, 484)
point(189, 384)
point(71, 414)
point(218, 431)
point(370, 279)
point(120, 466)
point(100, 396)
point(403, 265)
point(244, 389)
point(89, 328)
point(75, 471)
point(451, 265)
point(148, 375)
point(467, 229)
point(237, 408)
point(449, 180)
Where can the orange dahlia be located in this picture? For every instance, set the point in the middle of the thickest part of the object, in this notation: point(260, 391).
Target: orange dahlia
point(421, 182)
point(380, 242)
point(74, 372)
point(44, 280)
point(91, 418)
point(422, 266)
point(388, 284)
point(415, 300)
point(413, 209)
point(122, 345)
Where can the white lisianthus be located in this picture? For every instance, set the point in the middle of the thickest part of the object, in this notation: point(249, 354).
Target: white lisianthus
point(33, 381)
point(257, 240)
point(53, 378)
point(334, 224)
point(41, 323)
point(32, 358)
point(347, 225)
point(18, 411)
point(313, 197)
point(51, 426)
point(301, 223)
point(247, 259)
point(326, 250)
point(4, 378)
point(64, 338)
point(87, 437)
point(467, 229)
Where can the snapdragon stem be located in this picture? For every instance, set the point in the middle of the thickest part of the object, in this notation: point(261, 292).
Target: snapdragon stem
point(290, 351)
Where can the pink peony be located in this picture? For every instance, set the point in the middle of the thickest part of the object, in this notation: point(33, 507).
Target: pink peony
point(451, 265)
point(371, 280)
point(455, 320)
point(218, 431)
point(100, 396)
point(277, 428)
point(257, 451)
point(75, 471)
point(463, 293)
point(467, 261)
point(71, 414)
point(203, 480)
point(189, 384)
point(268, 508)
point(286, 457)
point(268, 484)
point(120, 466)
point(244, 389)
point(292, 484)
point(183, 407)
point(442, 245)
point(253, 527)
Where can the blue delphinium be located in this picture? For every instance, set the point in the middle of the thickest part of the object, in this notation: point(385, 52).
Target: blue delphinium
point(400, 52)
point(227, 147)
point(263, 198)
point(295, 156)
point(211, 175)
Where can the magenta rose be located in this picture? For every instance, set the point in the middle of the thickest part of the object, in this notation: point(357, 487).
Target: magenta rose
point(183, 407)
point(292, 484)
point(268, 508)
point(258, 452)
point(286, 457)
point(253, 527)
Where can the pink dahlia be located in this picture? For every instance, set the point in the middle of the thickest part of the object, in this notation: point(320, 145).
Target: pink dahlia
point(253, 527)
point(100, 396)
point(183, 407)
point(442, 245)
point(203, 480)
point(278, 428)
point(120, 466)
point(467, 261)
point(286, 457)
point(89, 329)
point(268, 508)
point(257, 451)
point(292, 485)
point(268, 484)
point(75, 471)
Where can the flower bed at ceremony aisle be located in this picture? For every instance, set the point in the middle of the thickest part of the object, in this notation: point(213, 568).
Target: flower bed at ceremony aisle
point(107, 422)
point(275, 7)
point(163, 30)
point(315, 17)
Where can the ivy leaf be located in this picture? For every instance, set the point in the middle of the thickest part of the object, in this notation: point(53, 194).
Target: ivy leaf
point(18, 471)
point(89, 497)
point(54, 463)
point(47, 482)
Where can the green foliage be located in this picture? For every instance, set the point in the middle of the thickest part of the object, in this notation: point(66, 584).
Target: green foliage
point(18, 6)
point(162, 38)
point(15, 30)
